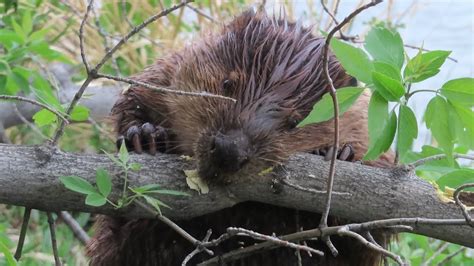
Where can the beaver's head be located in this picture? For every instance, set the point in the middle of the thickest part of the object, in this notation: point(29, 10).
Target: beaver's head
point(273, 68)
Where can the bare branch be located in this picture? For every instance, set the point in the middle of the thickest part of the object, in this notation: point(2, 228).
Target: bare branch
point(81, 35)
point(36, 167)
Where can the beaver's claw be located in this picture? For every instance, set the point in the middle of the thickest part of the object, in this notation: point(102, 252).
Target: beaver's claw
point(345, 153)
point(147, 137)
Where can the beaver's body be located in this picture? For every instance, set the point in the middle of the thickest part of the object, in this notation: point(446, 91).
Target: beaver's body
point(274, 70)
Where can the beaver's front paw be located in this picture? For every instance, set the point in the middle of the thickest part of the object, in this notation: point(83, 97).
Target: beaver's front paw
point(345, 153)
point(147, 137)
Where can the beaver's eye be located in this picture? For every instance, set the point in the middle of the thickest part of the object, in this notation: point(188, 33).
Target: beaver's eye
point(227, 86)
point(292, 122)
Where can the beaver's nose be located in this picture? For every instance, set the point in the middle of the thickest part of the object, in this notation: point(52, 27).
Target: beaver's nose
point(228, 152)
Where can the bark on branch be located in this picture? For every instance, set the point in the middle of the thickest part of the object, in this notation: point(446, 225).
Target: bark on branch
point(29, 177)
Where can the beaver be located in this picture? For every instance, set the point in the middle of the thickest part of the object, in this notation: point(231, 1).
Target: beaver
point(273, 68)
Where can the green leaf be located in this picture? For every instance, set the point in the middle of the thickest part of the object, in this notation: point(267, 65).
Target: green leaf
point(18, 76)
point(8, 38)
point(44, 117)
point(323, 110)
point(95, 200)
point(387, 70)
point(354, 60)
point(386, 46)
point(135, 167)
point(146, 188)
point(407, 130)
point(459, 91)
point(123, 154)
point(437, 120)
point(456, 178)
point(104, 182)
point(378, 115)
point(425, 65)
point(39, 34)
point(384, 140)
point(168, 192)
point(112, 158)
point(7, 255)
point(80, 113)
point(391, 89)
point(78, 184)
point(462, 123)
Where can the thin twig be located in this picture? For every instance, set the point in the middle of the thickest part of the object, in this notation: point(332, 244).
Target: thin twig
point(129, 22)
point(438, 251)
point(198, 249)
point(275, 240)
point(52, 230)
point(81, 35)
point(24, 99)
point(173, 226)
point(465, 211)
point(163, 89)
point(137, 29)
point(75, 227)
point(24, 227)
point(345, 232)
point(333, 17)
point(201, 13)
point(439, 157)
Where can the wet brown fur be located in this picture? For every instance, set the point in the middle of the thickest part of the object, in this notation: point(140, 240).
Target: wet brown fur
point(274, 70)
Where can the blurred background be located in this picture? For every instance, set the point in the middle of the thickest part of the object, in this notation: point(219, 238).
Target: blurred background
point(54, 55)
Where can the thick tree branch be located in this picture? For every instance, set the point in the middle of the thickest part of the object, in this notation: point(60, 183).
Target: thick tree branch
point(29, 177)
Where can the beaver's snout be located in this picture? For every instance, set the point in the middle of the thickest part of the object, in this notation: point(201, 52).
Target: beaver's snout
point(226, 153)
